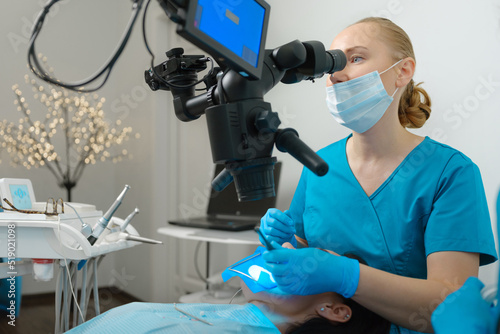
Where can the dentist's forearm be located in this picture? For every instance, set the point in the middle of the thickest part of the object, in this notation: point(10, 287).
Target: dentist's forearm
point(409, 302)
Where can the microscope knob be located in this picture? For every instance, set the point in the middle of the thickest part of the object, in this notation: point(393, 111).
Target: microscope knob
point(267, 121)
point(175, 52)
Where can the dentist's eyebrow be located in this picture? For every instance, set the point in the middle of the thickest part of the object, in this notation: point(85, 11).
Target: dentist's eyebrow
point(355, 48)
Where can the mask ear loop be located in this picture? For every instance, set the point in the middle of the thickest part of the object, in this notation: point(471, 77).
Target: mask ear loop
point(391, 67)
point(397, 88)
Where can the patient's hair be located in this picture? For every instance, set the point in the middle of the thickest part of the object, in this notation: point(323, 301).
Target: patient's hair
point(363, 321)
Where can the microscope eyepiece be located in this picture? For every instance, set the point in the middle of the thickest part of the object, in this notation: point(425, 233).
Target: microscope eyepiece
point(336, 62)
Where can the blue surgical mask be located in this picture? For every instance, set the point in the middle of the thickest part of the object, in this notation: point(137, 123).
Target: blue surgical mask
point(360, 103)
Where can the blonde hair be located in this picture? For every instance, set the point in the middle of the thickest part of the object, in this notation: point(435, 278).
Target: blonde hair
point(415, 104)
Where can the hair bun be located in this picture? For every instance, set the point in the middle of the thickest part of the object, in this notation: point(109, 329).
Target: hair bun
point(414, 106)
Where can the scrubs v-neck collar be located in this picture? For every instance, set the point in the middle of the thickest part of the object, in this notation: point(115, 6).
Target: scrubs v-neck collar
point(394, 172)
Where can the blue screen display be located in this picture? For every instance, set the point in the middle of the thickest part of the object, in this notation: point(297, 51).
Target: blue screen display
point(20, 196)
point(236, 24)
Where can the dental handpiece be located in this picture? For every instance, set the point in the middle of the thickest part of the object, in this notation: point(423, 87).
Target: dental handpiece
point(104, 220)
point(142, 239)
point(128, 219)
point(125, 236)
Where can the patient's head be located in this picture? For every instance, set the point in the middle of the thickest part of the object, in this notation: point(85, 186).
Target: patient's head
point(360, 321)
point(328, 312)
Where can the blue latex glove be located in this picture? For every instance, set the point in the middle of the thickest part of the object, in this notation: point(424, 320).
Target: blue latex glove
point(310, 271)
point(465, 311)
point(278, 226)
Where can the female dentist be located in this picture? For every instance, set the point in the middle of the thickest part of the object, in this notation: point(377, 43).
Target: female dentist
point(413, 208)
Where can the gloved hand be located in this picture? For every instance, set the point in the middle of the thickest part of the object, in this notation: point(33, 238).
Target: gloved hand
point(310, 271)
point(465, 311)
point(278, 226)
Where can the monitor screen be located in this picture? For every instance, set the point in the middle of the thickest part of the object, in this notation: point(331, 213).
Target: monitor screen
point(20, 196)
point(231, 31)
point(18, 191)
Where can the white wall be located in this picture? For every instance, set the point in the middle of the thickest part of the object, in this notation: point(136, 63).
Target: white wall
point(456, 43)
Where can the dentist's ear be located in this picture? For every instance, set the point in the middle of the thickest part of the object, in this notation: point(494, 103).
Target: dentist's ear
point(406, 70)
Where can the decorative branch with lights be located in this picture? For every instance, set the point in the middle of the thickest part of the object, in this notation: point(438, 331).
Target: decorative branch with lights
point(87, 137)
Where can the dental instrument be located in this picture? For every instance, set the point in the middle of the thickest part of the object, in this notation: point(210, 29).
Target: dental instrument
point(125, 236)
point(104, 220)
point(128, 219)
point(264, 239)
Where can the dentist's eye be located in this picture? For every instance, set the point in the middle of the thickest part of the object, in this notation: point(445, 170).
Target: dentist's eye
point(356, 59)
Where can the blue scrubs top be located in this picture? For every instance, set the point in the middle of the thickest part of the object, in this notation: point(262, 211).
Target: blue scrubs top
point(434, 201)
